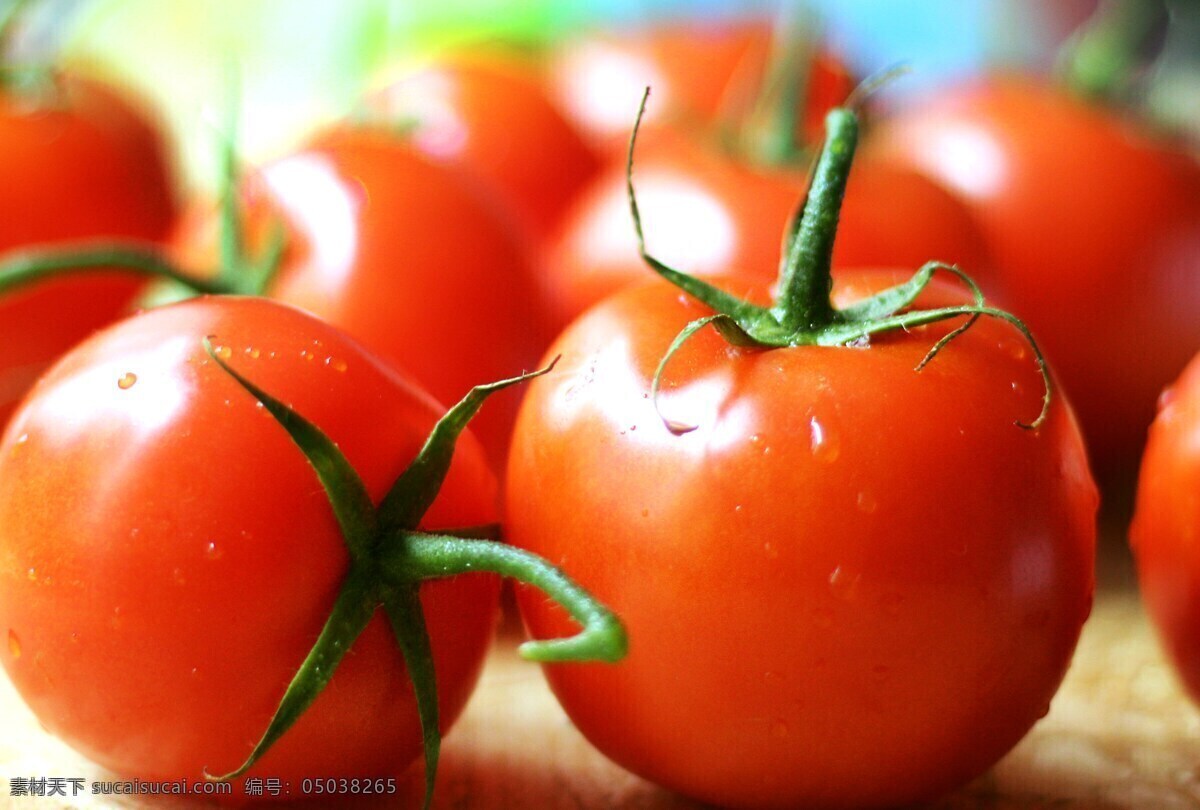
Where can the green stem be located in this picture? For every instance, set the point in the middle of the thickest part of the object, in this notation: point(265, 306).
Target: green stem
point(806, 280)
point(1100, 58)
point(771, 133)
point(29, 266)
point(425, 556)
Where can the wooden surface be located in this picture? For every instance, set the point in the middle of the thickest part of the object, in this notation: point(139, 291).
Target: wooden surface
point(1119, 735)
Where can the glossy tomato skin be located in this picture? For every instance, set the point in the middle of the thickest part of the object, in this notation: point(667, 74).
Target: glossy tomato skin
point(708, 213)
point(76, 162)
point(403, 255)
point(852, 585)
point(168, 556)
point(1095, 229)
point(1166, 523)
point(698, 71)
point(492, 116)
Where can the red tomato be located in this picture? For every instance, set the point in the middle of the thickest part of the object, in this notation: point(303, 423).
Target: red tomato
point(709, 214)
point(1167, 522)
point(1095, 231)
point(695, 68)
point(167, 556)
point(493, 117)
point(406, 257)
point(852, 585)
point(76, 162)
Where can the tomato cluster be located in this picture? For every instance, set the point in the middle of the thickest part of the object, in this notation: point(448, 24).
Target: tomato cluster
point(816, 518)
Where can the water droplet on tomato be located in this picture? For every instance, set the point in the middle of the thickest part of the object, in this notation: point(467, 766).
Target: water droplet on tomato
point(1016, 349)
point(866, 503)
point(177, 575)
point(126, 381)
point(252, 353)
point(770, 550)
point(844, 582)
point(31, 574)
point(1166, 398)
point(336, 363)
point(212, 551)
point(779, 729)
point(14, 644)
point(306, 354)
point(223, 352)
point(823, 443)
point(1016, 387)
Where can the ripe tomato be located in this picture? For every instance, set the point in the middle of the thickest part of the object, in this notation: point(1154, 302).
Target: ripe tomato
point(492, 116)
point(168, 557)
point(1095, 231)
point(76, 162)
point(1166, 523)
point(696, 69)
point(709, 214)
point(851, 585)
point(402, 254)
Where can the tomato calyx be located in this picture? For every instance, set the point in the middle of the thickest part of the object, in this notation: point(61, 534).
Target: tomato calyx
point(803, 313)
point(390, 557)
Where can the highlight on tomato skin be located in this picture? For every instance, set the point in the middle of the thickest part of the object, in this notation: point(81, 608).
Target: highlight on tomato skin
point(852, 585)
point(167, 557)
point(404, 254)
point(1093, 221)
point(1165, 525)
point(489, 113)
point(78, 161)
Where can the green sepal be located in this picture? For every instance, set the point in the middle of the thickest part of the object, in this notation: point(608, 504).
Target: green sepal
point(355, 605)
point(414, 491)
point(403, 606)
point(346, 492)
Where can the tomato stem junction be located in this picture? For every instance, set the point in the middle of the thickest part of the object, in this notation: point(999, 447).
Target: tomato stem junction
point(803, 313)
point(390, 556)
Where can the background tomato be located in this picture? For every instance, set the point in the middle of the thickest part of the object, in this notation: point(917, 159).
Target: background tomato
point(1166, 523)
point(699, 71)
point(167, 556)
point(1094, 226)
point(76, 162)
point(491, 115)
point(405, 256)
point(708, 213)
point(852, 585)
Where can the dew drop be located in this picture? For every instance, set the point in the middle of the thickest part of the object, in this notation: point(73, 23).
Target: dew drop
point(1017, 349)
point(779, 729)
point(253, 353)
point(258, 403)
point(14, 644)
point(212, 551)
point(770, 550)
point(336, 363)
point(31, 574)
point(177, 575)
point(223, 352)
point(1016, 387)
point(306, 354)
point(126, 381)
point(844, 582)
point(1166, 398)
point(866, 503)
point(822, 442)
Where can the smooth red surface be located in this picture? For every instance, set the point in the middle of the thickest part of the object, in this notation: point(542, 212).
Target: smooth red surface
point(406, 257)
point(698, 73)
point(707, 213)
point(852, 585)
point(168, 556)
point(492, 116)
point(1166, 528)
point(1094, 226)
point(76, 162)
